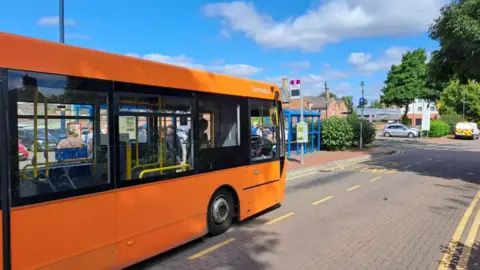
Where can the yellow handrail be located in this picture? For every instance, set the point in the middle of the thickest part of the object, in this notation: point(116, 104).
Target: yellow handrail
point(144, 165)
point(45, 151)
point(35, 132)
point(24, 170)
point(182, 166)
point(129, 161)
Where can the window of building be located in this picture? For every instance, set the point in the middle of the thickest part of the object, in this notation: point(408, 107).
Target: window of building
point(153, 143)
point(60, 133)
point(432, 108)
point(265, 129)
point(420, 109)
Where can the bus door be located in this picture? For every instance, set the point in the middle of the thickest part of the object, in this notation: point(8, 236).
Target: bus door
point(265, 140)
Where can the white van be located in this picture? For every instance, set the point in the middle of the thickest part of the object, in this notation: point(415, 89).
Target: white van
point(466, 130)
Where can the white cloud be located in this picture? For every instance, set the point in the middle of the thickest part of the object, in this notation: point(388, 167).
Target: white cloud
point(54, 21)
point(334, 74)
point(359, 58)
point(363, 62)
point(77, 36)
point(240, 70)
point(297, 65)
point(330, 22)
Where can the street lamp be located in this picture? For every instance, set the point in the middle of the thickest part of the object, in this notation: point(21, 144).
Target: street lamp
point(61, 21)
point(362, 84)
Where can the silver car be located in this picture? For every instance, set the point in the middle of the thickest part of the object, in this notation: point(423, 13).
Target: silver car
point(399, 130)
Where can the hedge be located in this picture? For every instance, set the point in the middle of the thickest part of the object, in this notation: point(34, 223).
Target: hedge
point(337, 133)
point(439, 128)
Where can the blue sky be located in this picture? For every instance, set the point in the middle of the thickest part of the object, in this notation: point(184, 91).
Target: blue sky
point(339, 41)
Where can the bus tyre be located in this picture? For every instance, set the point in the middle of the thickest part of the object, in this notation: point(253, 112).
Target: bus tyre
point(220, 212)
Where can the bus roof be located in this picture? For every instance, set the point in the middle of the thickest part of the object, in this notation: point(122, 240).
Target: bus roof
point(29, 54)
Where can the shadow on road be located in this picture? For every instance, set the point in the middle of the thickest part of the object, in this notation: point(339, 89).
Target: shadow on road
point(246, 252)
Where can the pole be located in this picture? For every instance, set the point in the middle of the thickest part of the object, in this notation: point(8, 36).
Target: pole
point(361, 122)
point(61, 21)
point(301, 120)
point(326, 101)
point(464, 103)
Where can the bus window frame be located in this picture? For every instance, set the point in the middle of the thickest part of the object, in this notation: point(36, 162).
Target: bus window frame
point(16, 199)
point(243, 136)
point(117, 113)
point(271, 103)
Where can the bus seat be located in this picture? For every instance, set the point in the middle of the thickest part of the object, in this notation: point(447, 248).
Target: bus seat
point(70, 153)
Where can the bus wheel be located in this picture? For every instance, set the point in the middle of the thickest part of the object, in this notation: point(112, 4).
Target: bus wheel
point(220, 212)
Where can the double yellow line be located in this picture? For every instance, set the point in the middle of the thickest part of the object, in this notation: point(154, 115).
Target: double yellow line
point(467, 249)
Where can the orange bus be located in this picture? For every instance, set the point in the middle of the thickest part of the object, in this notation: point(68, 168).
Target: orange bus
point(127, 158)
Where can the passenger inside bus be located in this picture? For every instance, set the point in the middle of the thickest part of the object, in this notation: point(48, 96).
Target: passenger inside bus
point(73, 140)
point(174, 147)
point(203, 141)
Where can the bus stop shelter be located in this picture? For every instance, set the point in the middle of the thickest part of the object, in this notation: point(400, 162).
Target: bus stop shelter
point(292, 117)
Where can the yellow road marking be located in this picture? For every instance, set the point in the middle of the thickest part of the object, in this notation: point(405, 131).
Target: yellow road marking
point(467, 249)
point(392, 171)
point(365, 169)
point(375, 179)
point(322, 200)
point(295, 177)
point(452, 245)
point(210, 249)
point(279, 218)
point(352, 168)
point(353, 188)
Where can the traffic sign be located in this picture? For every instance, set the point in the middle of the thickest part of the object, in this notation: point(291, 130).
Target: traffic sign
point(295, 86)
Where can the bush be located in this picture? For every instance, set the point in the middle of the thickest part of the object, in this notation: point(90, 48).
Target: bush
point(368, 130)
point(439, 128)
point(452, 119)
point(337, 133)
point(405, 120)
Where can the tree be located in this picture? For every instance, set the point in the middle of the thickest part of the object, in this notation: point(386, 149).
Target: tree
point(451, 100)
point(406, 81)
point(457, 29)
point(348, 100)
point(332, 95)
point(376, 104)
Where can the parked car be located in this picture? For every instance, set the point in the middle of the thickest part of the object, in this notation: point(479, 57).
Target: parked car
point(466, 130)
point(26, 136)
point(399, 130)
point(22, 151)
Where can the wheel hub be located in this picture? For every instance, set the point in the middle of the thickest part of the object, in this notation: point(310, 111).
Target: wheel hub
point(220, 210)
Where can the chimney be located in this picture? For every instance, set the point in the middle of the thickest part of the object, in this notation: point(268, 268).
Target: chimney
point(284, 91)
point(285, 83)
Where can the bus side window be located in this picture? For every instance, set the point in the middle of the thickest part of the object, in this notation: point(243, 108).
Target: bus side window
point(57, 119)
point(155, 143)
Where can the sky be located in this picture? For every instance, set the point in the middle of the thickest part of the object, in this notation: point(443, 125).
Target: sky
point(341, 42)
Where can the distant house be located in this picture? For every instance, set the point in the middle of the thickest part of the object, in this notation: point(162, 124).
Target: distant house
point(334, 107)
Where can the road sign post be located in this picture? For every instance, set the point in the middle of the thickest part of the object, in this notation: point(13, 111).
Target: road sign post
point(296, 91)
point(362, 104)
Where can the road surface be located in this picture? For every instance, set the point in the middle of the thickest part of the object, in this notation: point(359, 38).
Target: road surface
point(398, 212)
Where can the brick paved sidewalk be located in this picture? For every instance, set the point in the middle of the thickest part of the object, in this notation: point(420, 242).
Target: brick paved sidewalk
point(325, 157)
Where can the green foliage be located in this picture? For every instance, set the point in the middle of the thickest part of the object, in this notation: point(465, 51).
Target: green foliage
point(368, 130)
point(406, 81)
point(457, 29)
point(336, 134)
point(451, 100)
point(451, 119)
point(332, 95)
point(405, 120)
point(439, 128)
point(348, 100)
point(376, 104)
